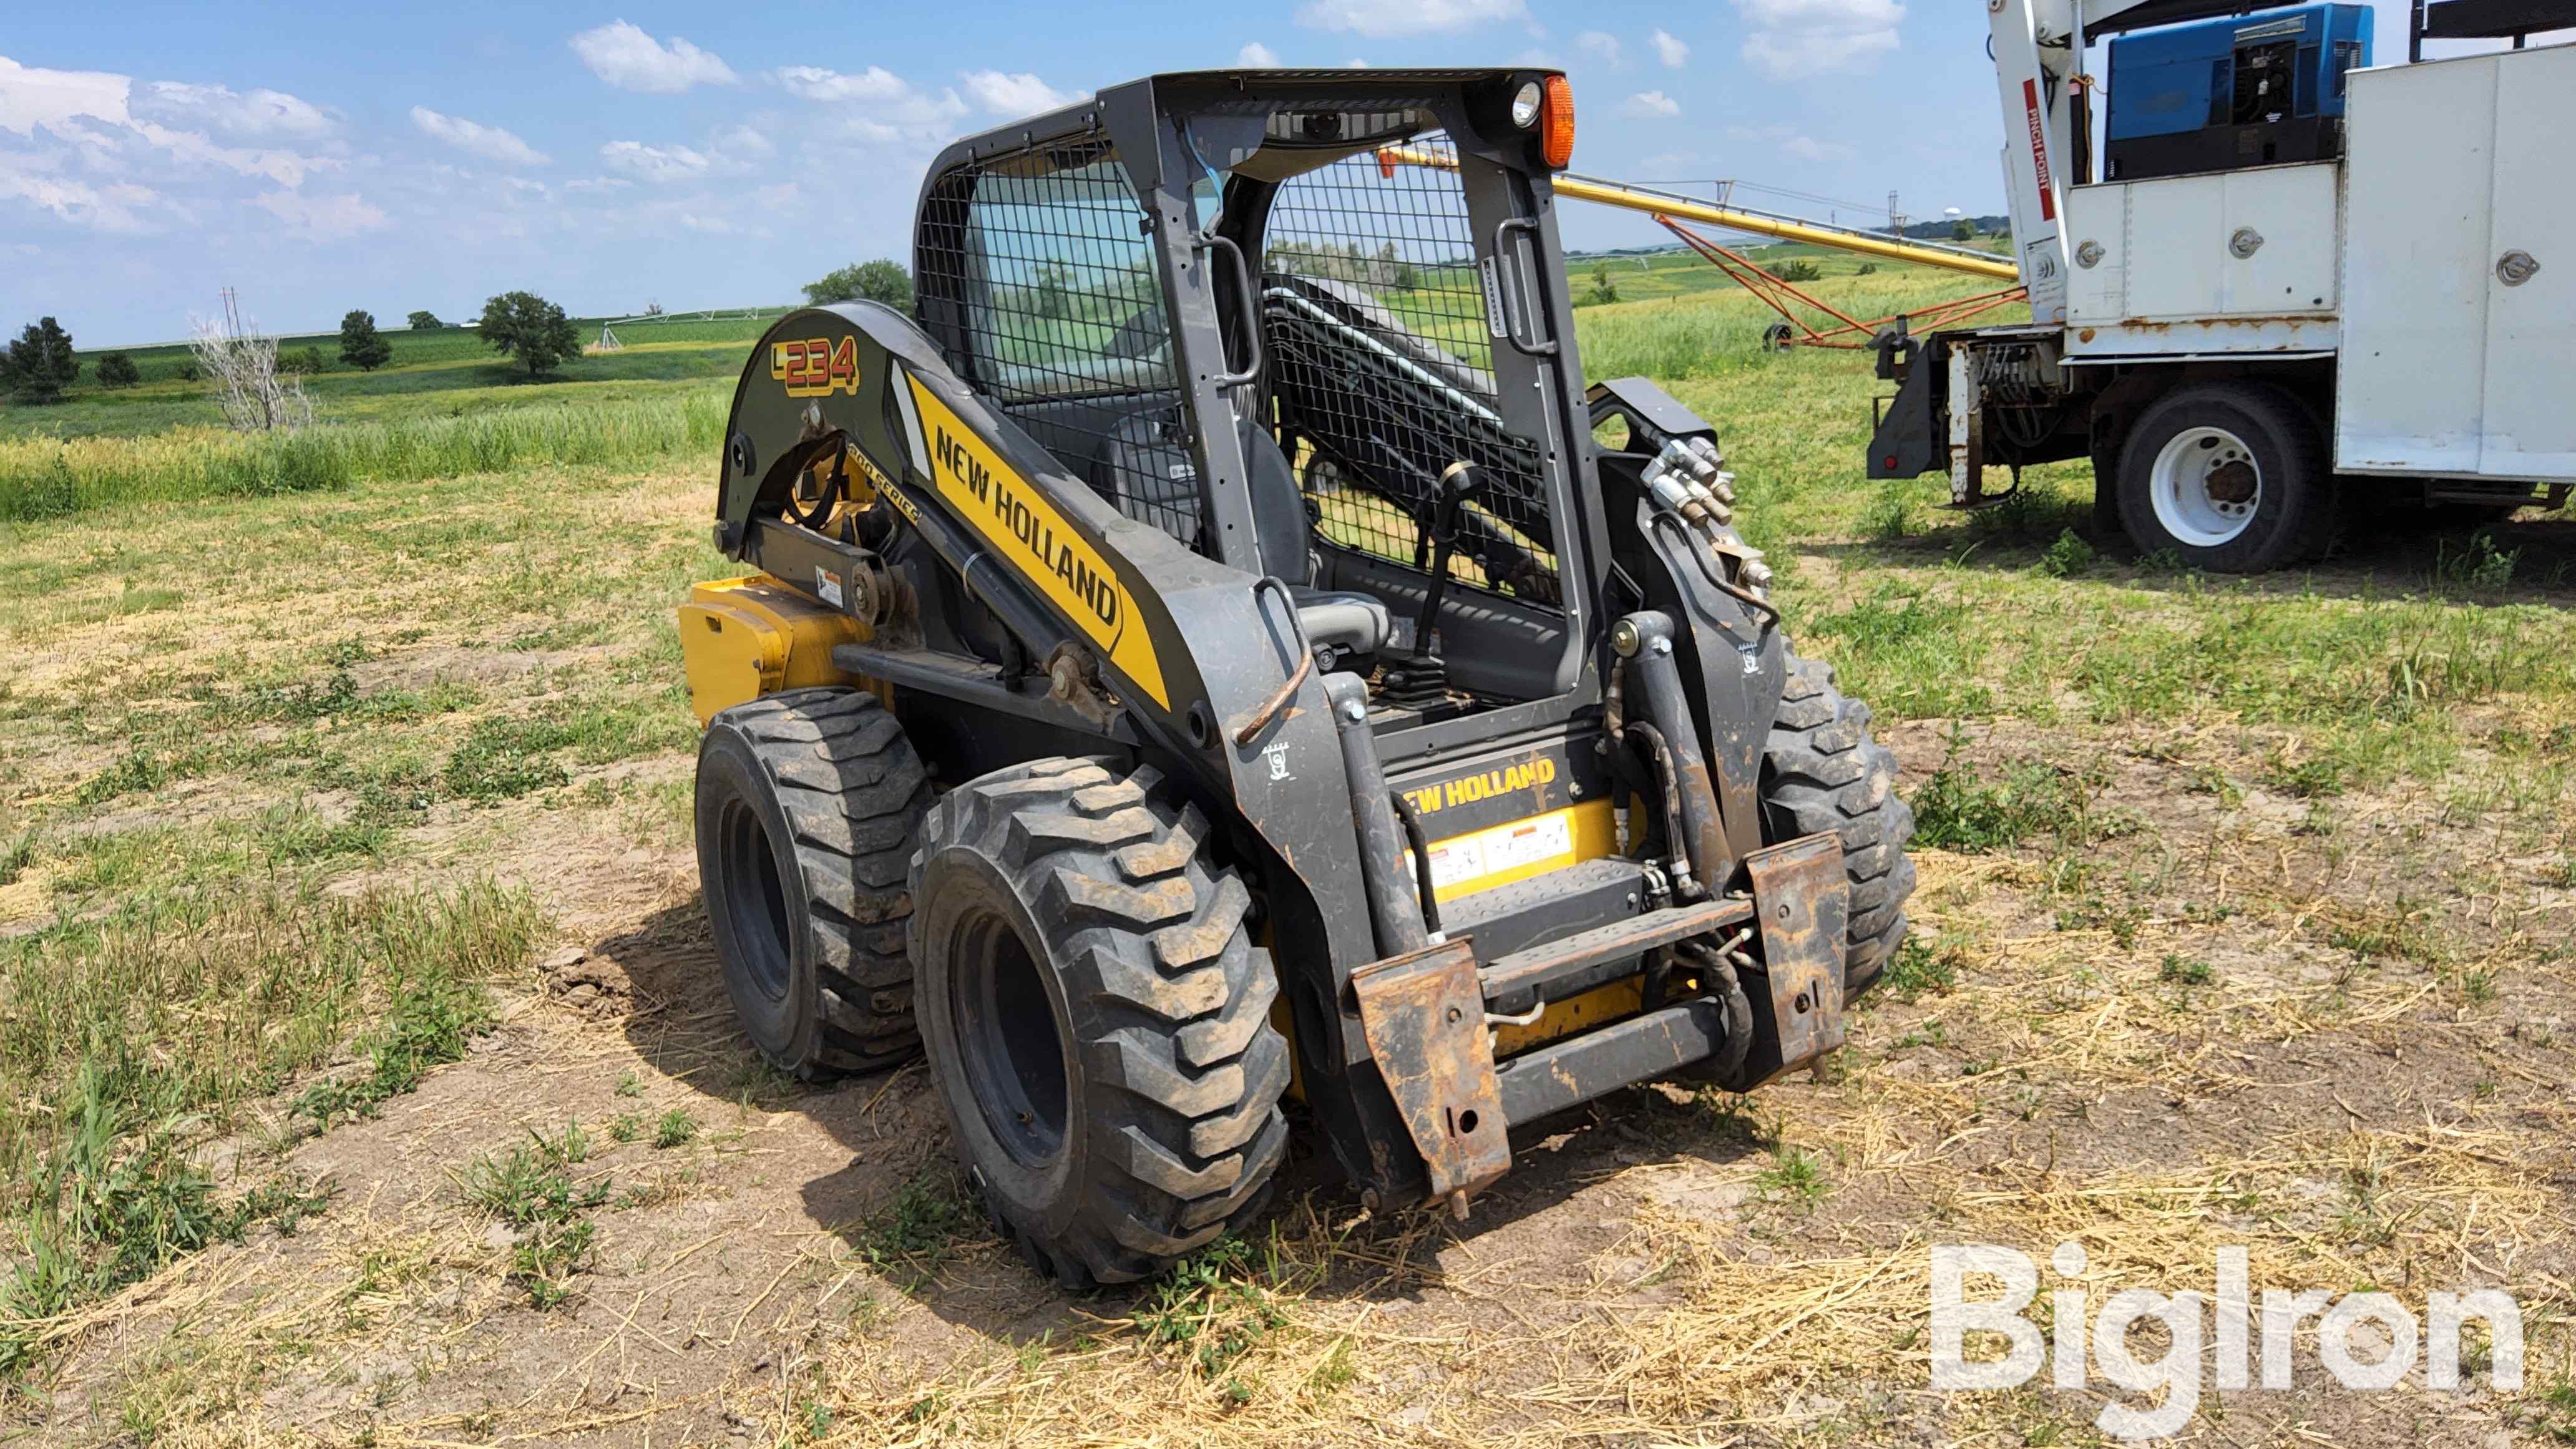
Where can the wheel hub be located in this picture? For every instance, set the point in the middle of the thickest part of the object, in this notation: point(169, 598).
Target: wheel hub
point(1006, 1034)
point(754, 898)
point(2206, 486)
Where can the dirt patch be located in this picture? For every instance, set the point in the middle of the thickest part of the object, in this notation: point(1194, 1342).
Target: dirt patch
point(1659, 1266)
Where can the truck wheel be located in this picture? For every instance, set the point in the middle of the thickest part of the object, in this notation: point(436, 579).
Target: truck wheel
point(1097, 1018)
point(808, 803)
point(1821, 771)
point(2228, 475)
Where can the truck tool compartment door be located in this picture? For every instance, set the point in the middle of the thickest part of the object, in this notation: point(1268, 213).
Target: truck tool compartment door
point(2449, 367)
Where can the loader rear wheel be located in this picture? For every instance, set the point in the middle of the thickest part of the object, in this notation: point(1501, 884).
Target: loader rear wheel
point(1821, 771)
point(808, 807)
point(1096, 1017)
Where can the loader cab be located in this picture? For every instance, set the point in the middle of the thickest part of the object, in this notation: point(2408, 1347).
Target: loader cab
point(1311, 325)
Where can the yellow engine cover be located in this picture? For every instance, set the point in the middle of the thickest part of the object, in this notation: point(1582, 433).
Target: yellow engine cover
point(746, 637)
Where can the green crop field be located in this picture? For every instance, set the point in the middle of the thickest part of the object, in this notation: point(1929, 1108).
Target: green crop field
point(365, 1076)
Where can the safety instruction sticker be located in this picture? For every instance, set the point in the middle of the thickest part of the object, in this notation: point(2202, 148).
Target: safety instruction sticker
point(1035, 539)
point(1504, 849)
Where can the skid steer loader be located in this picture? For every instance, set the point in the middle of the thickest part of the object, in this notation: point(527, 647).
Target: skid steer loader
point(1217, 652)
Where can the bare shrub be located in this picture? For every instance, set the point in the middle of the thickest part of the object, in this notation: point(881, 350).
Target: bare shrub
point(242, 361)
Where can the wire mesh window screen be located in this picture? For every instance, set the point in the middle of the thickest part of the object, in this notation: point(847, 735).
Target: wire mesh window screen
point(1061, 321)
point(1381, 358)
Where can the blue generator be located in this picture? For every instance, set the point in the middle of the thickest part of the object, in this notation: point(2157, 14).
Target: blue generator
point(2219, 94)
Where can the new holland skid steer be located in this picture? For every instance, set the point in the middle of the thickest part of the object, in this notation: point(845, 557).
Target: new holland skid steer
point(1217, 652)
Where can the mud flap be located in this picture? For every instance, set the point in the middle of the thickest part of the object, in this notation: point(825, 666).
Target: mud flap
point(1803, 902)
point(1424, 1016)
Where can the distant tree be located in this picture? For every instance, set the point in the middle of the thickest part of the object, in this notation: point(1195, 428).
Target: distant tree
point(302, 362)
point(1795, 269)
point(1963, 230)
point(1603, 289)
point(40, 363)
point(361, 346)
point(877, 281)
point(530, 328)
point(423, 322)
point(1054, 300)
point(118, 370)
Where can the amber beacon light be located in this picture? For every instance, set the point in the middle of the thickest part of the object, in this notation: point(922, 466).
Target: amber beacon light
point(1556, 123)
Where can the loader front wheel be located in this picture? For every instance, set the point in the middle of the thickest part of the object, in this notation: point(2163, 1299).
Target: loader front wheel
point(808, 807)
point(1096, 1018)
point(1821, 772)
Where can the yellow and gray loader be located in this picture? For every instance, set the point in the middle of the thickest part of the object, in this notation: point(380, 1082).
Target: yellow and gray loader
point(1216, 652)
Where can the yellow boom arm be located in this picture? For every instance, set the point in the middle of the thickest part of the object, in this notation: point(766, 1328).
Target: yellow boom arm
point(1682, 208)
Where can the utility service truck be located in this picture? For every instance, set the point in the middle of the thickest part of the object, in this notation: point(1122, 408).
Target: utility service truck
point(2286, 287)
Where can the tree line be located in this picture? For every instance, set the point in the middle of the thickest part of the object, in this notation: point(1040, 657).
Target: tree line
point(41, 362)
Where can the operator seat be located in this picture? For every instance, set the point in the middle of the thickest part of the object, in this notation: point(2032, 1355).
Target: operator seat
point(1351, 625)
point(1146, 474)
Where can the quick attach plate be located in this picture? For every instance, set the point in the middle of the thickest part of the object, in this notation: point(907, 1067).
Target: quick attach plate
point(1424, 1016)
point(1803, 902)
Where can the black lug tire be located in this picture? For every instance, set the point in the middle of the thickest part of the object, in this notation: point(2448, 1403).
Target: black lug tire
point(1821, 771)
point(1150, 1123)
point(809, 805)
point(2296, 519)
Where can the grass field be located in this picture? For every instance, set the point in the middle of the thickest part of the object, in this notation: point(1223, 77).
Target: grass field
point(445, 373)
point(364, 1076)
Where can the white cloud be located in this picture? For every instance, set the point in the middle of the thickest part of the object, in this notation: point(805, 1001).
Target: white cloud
point(286, 168)
point(58, 99)
point(489, 142)
point(1012, 95)
point(257, 113)
point(1672, 52)
point(108, 208)
point(65, 102)
point(323, 218)
point(1795, 39)
point(1651, 103)
point(655, 163)
point(814, 83)
point(1603, 45)
point(626, 57)
point(878, 106)
point(1792, 144)
point(742, 145)
point(103, 152)
point(1257, 55)
point(1380, 19)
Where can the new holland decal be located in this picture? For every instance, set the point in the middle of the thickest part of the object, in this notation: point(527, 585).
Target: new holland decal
point(1034, 537)
point(1525, 775)
point(816, 366)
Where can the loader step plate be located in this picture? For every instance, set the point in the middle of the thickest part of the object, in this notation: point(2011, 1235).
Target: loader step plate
point(1424, 1016)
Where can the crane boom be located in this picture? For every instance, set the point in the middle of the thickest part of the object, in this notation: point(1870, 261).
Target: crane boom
point(2039, 58)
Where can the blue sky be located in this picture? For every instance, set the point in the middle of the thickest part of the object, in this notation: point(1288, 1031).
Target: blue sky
point(401, 156)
